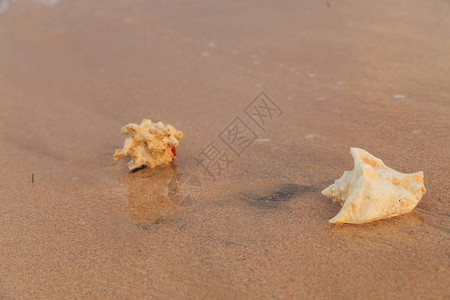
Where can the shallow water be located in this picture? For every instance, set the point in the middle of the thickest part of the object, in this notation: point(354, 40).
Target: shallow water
point(339, 75)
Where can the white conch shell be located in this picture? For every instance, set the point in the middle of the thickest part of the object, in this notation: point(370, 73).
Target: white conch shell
point(373, 191)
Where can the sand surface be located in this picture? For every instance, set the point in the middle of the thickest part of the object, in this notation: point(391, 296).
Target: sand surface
point(342, 73)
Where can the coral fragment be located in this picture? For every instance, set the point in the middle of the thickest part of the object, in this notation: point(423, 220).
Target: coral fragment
point(149, 144)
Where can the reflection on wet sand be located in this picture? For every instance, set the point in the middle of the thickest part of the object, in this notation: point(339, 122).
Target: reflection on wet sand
point(152, 195)
point(384, 233)
point(155, 195)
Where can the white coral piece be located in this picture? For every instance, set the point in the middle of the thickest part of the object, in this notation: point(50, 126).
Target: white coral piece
point(149, 144)
point(373, 191)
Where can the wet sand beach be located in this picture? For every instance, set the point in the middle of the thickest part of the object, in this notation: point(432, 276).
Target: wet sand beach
point(336, 74)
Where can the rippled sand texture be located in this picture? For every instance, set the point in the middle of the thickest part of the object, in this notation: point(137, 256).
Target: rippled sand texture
point(343, 73)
